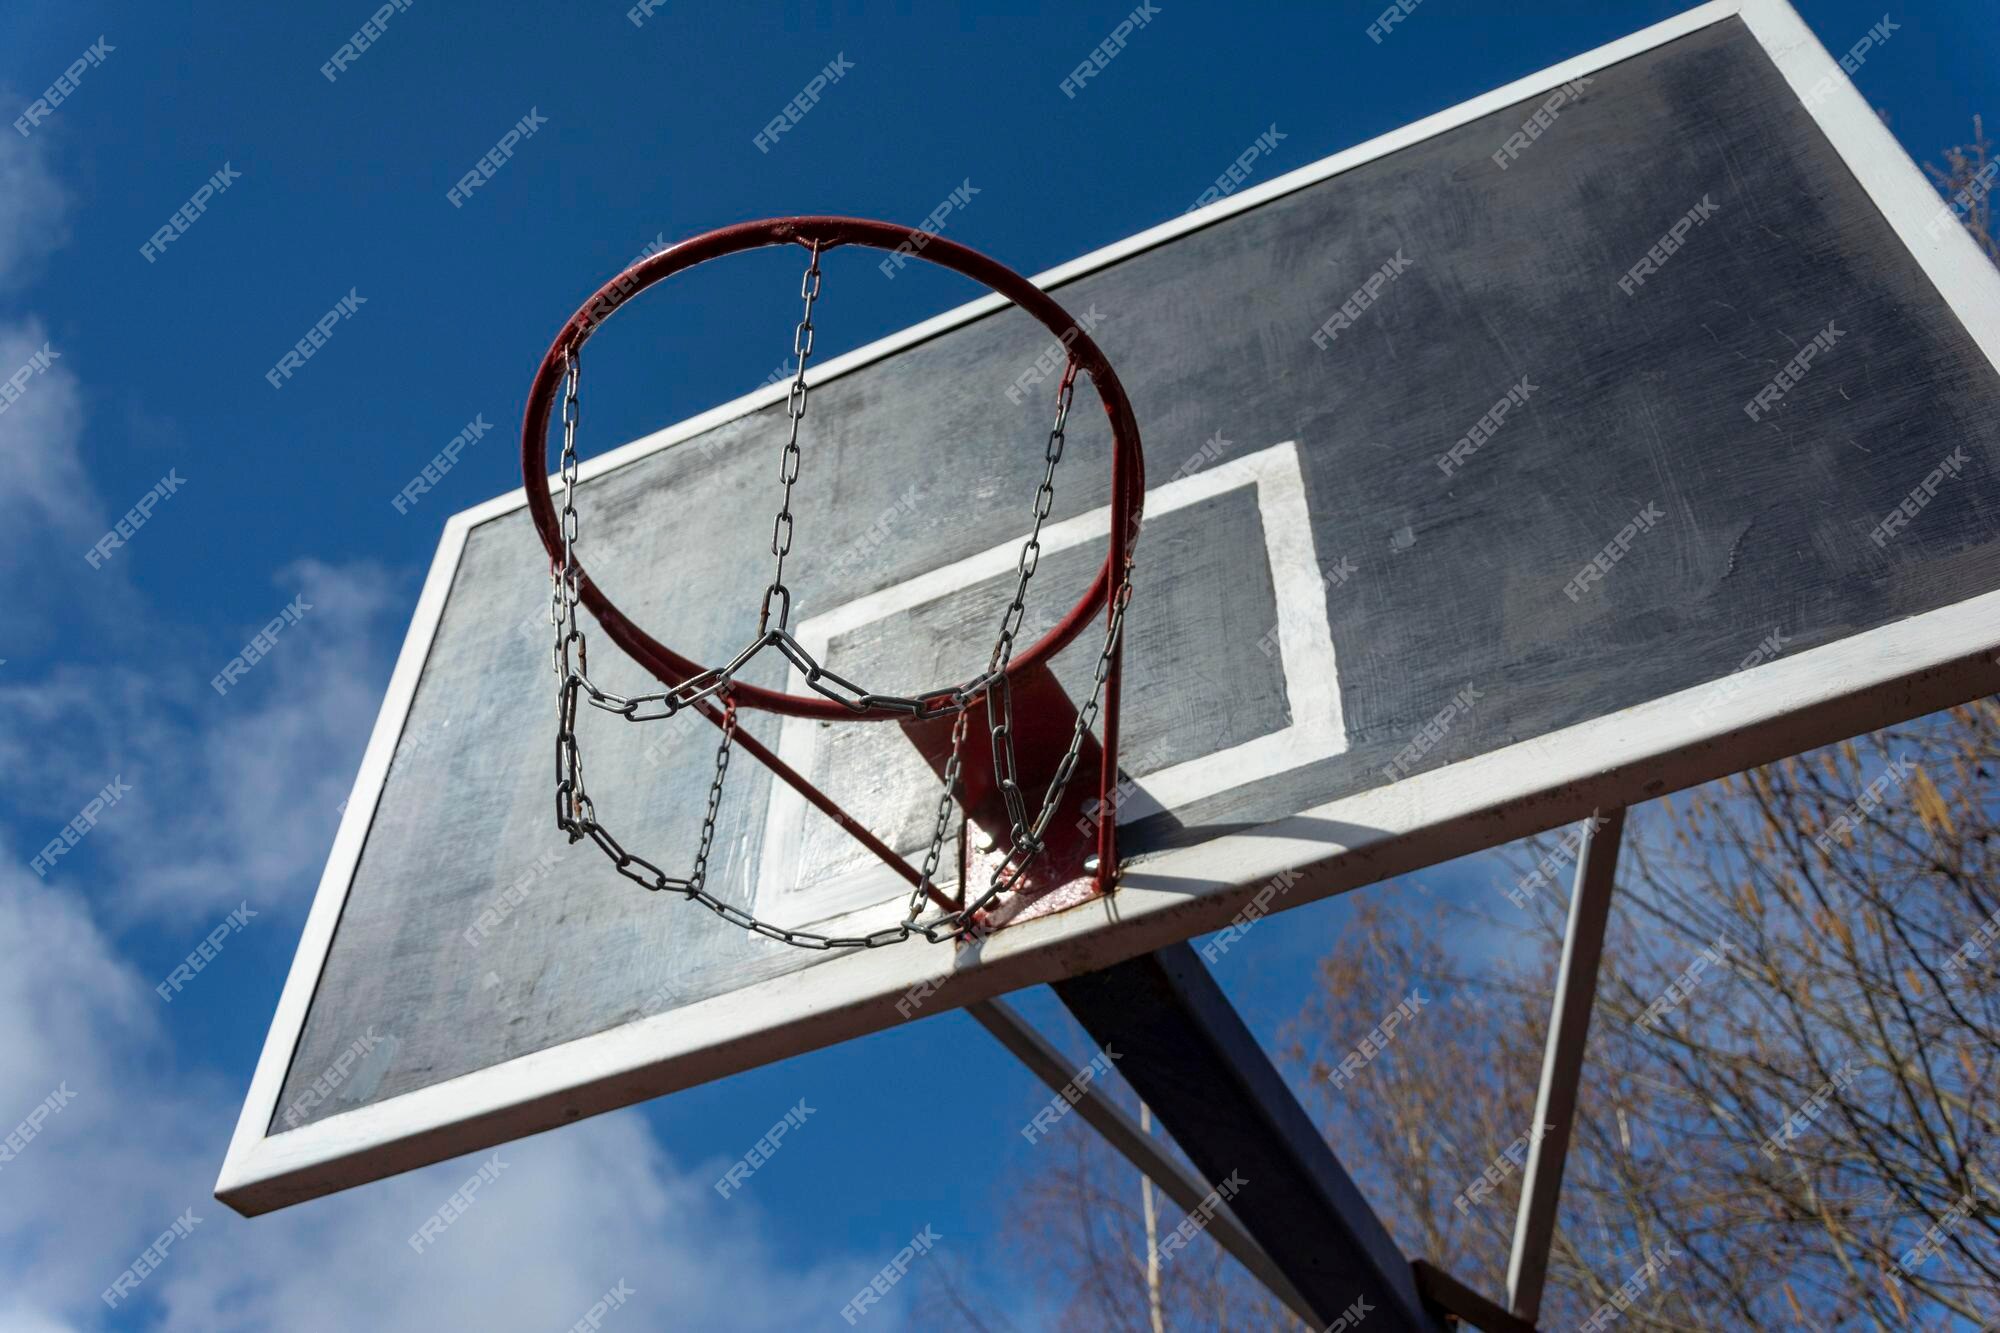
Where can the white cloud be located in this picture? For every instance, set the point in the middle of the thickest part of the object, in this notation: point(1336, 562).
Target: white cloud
point(233, 796)
point(34, 208)
point(20, 1319)
point(66, 1198)
point(48, 502)
point(272, 759)
point(573, 1213)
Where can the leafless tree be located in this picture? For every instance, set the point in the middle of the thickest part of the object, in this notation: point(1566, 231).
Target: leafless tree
point(1969, 178)
point(1792, 1116)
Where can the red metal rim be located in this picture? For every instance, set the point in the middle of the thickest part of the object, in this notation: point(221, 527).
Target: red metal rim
point(1128, 468)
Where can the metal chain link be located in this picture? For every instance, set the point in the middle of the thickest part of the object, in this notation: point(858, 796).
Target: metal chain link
point(572, 805)
point(1000, 717)
point(562, 602)
point(947, 798)
point(576, 814)
point(1022, 850)
point(700, 873)
point(1000, 698)
point(788, 463)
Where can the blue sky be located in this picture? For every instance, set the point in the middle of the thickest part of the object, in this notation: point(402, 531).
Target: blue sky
point(161, 370)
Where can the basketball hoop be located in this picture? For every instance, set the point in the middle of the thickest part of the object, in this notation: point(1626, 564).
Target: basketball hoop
point(717, 694)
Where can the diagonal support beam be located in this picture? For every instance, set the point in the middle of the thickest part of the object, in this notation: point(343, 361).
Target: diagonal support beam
point(1190, 1057)
point(1447, 1293)
point(1141, 1149)
point(1562, 1061)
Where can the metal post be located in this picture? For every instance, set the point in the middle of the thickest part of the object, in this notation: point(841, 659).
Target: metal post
point(1174, 1180)
point(1562, 1061)
point(1187, 1052)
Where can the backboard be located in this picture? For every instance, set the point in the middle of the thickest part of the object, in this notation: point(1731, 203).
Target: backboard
point(1630, 425)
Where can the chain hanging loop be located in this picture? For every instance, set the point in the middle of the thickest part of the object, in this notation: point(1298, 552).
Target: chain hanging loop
point(576, 815)
point(788, 463)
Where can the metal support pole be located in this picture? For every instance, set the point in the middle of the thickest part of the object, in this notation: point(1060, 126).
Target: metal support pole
point(1187, 1052)
point(1562, 1061)
point(1174, 1180)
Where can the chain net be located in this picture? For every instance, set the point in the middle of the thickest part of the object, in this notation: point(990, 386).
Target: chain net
point(709, 691)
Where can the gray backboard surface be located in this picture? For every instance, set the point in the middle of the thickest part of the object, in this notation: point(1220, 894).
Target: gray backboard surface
point(1421, 584)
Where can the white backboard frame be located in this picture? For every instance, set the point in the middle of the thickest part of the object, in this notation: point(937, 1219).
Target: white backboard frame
point(1785, 706)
